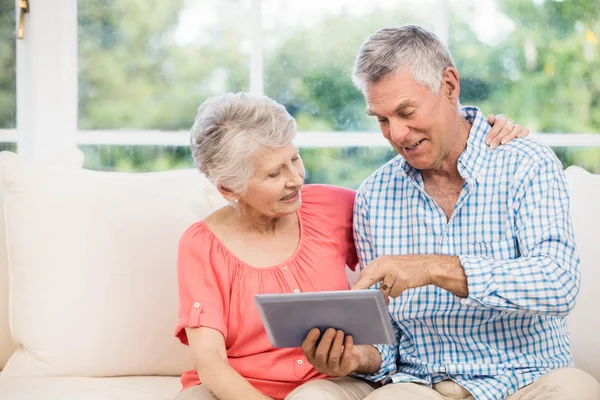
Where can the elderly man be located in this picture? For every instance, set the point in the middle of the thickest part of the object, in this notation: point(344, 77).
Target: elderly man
point(475, 247)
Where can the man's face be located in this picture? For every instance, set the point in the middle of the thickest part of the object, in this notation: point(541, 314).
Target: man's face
point(413, 119)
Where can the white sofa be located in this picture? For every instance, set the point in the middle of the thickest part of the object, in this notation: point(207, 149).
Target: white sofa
point(88, 278)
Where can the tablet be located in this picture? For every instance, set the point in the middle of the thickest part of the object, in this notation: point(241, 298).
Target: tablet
point(289, 317)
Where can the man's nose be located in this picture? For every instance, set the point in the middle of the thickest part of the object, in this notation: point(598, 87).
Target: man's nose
point(398, 132)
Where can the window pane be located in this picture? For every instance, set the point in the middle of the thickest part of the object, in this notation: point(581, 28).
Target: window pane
point(310, 47)
point(136, 158)
point(346, 166)
point(149, 64)
point(587, 158)
point(8, 77)
point(535, 61)
point(8, 147)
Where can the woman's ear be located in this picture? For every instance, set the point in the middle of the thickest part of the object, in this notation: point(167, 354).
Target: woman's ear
point(228, 194)
point(451, 84)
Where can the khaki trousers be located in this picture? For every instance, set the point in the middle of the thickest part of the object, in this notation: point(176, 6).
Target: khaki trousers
point(325, 389)
point(561, 384)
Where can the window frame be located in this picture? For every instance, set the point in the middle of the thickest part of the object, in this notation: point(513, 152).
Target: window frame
point(47, 91)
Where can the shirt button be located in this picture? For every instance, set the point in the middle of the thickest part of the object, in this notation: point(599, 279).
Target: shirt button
point(299, 362)
point(296, 290)
point(439, 321)
point(284, 269)
point(196, 305)
point(443, 369)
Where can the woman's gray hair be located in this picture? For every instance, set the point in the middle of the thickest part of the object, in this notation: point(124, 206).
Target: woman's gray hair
point(391, 49)
point(230, 129)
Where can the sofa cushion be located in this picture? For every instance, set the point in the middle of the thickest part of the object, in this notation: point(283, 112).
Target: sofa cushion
point(68, 159)
point(583, 321)
point(64, 388)
point(92, 259)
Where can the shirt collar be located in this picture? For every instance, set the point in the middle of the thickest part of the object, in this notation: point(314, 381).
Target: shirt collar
point(472, 160)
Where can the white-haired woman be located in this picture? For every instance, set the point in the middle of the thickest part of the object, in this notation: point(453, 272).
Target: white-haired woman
point(278, 235)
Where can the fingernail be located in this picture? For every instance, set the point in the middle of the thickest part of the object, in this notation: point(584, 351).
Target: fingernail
point(487, 142)
point(503, 141)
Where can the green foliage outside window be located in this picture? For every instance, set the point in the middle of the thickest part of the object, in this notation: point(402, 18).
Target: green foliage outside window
point(136, 74)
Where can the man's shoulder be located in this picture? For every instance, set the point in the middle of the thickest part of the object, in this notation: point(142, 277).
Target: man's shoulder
point(526, 152)
point(385, 176)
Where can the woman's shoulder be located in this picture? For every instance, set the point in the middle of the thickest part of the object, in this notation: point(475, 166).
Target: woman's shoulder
point(320, 201)
point(203, 231)
point(201, 249)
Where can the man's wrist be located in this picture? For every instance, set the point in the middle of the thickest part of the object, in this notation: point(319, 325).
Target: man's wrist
point(446, 272)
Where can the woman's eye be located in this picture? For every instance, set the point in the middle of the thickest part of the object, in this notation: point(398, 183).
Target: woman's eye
point(274, 174)
point(295, 158)
point(382, 120)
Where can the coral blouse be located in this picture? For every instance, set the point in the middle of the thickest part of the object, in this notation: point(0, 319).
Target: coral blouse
point(216, 289)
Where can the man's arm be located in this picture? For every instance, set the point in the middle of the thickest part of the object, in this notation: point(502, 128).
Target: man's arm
point(544, 280)
point(398, 273)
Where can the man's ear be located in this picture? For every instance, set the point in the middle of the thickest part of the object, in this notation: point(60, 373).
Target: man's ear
point(451, 85)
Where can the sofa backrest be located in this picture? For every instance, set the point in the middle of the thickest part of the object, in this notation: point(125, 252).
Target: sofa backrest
point(92, 264)
point(68, 159)
point(7, 344)
point(584, 323)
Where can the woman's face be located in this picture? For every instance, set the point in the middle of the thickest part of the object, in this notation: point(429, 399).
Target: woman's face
point(275, 188)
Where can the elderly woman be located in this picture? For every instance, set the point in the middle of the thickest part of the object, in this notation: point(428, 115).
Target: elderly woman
point(276, 236)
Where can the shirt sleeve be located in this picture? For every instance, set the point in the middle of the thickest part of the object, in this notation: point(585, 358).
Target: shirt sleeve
point(335, 205)
point(366, 253)
point(203, 283)
point(545, 277)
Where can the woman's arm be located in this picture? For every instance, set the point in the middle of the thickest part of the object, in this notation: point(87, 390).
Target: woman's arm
point(210, 360)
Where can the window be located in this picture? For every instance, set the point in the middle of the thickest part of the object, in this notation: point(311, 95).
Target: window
point(145, 66)
point(149, 64)
point(535, 61)
point(8, 78)
point(309, 49)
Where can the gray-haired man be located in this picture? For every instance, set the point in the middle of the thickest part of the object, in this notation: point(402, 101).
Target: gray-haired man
point(474, 246)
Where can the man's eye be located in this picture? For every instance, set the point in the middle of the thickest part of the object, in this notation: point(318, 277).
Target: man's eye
point(405, 114)
point(382, 120)
point(295, 158)
point(274, 174)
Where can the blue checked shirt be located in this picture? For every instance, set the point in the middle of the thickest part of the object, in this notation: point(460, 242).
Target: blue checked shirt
point(512, 231)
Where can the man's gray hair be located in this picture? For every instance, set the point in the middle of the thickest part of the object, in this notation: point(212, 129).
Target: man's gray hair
point(392, 49)
point(230, 130)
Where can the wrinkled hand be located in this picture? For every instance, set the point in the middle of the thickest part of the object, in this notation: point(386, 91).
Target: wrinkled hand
point(333, 356)
point(396, 274)
point(503, 131)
